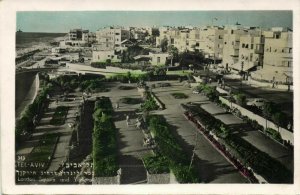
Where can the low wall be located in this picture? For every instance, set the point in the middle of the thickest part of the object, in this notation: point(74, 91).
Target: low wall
point(268, 85)
point(163, 178)
point(159, 103)
point(285, 134)
point(107, 180)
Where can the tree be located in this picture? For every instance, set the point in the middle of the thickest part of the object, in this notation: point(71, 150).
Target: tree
point(279, 119)
point(164, 44)
point(268, 109)
point(241, 99)
point(155, 32)
point(187, 58)
point(173, 51)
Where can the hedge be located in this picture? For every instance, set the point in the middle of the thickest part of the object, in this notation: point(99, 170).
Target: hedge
point(168, 147)
point(104, 140)
point(25, 124)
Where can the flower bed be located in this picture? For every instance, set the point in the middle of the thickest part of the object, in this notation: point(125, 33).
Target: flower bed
point(59, 115)
point(179, 95)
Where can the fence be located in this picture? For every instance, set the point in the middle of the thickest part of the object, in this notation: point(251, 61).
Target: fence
point(285, 134)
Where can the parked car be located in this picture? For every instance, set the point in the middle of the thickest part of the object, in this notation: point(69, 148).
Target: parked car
point(195, 91)
point(258, 102)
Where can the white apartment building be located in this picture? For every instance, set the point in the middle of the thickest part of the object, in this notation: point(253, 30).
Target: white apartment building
point(111, 37)
point(211, 42)
point(104, 55)
point(251, 51)
point(278, 57)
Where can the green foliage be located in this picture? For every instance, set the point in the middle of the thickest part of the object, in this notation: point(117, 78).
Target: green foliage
point(131, 52)
point(25, 124)
point(274, 134)
point(209, 91)
point(261, 162)
point(156, 164)
point(150, 103)
point(43, 151)
point(184, 174)
point(164, 45)
point(179, 95)
point(99, 64)
point(169, 148)
point(104, 140)
point(188, 57)
point(279, 118)
point(241, 99)
point(269, 109)
point(59, 115)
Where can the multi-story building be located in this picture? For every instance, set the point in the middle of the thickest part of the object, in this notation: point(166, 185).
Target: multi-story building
point(251, 51)
point(76, 34)
point(231, 47)
point(278, 57)
point(211, 42)
point(111, 37)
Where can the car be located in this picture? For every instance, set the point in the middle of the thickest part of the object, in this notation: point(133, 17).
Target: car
point(258, 102)
point(196, 91)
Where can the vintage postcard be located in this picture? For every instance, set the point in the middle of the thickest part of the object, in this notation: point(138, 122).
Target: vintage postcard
point(120, 98)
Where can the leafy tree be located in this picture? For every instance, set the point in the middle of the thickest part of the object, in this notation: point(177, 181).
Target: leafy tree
point(195, 58)
point(155, 32)
point(241, 99)
point(164, 45)
point(269, 109)
point(279, 118)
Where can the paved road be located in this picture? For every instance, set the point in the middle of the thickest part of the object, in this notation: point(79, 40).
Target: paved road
point(130, 139)
point(214, 168)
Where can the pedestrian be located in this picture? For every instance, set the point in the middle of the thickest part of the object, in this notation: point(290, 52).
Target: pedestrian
point(127, 117)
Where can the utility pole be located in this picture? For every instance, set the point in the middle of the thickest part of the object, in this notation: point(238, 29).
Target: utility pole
point(194, 150)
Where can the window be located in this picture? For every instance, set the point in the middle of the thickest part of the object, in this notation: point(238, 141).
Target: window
point(231, 31)
point(251, 46)
point(270, 49)
point(158, 59)
point(243, 45)
point(117, 33)
point(225, 43)
point(246, 46)
point(290, 50)
point(251, 56)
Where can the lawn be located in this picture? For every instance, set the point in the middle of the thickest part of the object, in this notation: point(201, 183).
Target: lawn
point(179, 95)
point(43, 151)
point(179, 72)
point(59, 115)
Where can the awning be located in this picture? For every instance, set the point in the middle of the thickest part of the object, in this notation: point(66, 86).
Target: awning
point(238, 66)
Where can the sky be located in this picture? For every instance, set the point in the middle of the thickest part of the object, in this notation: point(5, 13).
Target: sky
point(63, 21)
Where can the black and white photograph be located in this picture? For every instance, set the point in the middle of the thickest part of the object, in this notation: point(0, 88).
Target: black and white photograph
point(151, 98)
